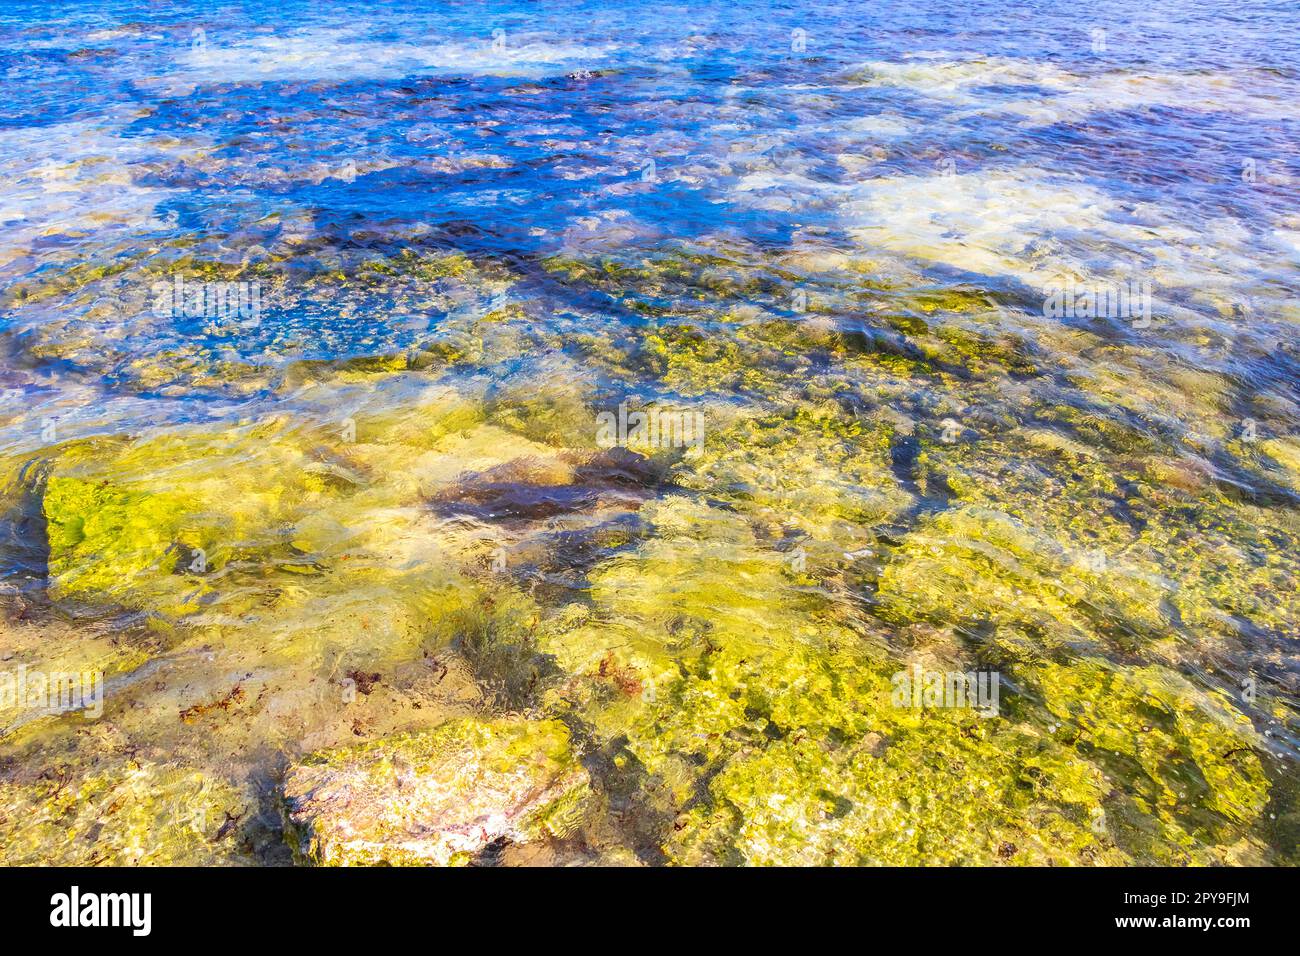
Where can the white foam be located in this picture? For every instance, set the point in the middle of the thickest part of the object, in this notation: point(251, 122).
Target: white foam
point(1020, 223)
point(1127, 91)
point(1289, 239)
point(881, 126)
point(961, 81)
point(955, 79)
point(72, 178)
point(343, 54)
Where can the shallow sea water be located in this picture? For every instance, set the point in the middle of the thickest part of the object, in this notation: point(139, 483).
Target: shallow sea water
point(393, 485)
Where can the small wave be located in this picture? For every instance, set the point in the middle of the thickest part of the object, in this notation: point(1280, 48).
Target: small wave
point(316, 54)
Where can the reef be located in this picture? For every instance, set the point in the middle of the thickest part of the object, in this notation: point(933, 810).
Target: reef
point(436, 622)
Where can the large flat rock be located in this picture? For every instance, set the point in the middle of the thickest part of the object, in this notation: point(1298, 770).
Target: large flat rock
point(436, 797)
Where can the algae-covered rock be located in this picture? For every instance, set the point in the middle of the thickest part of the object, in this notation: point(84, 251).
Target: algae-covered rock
point(976, 566)
point(437, 797)
point(811, 470)
point(51, 668)
point(933, 791)
point(889, 472)
point(174, 522)
point(1058, 529)
point(753, 717)
point(1195, 750)
point(1285, 452)
point(141, 813)
point(694, 361)
point(102, 537)
point(151, 524)
point(121, 319)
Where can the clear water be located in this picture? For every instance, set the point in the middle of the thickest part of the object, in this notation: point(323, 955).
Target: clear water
point(834, 233)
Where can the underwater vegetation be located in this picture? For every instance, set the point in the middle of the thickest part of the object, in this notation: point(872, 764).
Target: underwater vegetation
point(356, 576)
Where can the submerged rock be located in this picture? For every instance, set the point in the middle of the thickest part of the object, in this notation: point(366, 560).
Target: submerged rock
point(750, 721)
point(1195, 750)
point(438, 797)
point(141, 813)
point(810, 469)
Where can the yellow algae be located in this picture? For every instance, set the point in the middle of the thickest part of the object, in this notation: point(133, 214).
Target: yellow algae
point(814, 470)
point(1196, 750)
point(137, 814)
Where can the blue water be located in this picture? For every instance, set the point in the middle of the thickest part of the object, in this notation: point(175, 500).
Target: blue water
point(521, 131)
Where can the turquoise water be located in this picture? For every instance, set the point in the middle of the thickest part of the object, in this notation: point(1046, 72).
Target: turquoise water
point(838, 234)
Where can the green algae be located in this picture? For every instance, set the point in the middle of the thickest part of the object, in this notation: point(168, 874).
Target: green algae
point(974, 567)
point(759, 725)
point(110, 319)
point(102, 538)
point(82, 659)
point(748, 708)
point(694, 362)
point(1148, 545)
point(151, 524)
point(699, 275)
point(939, 794)
point(155, 524)
point(560, 415)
